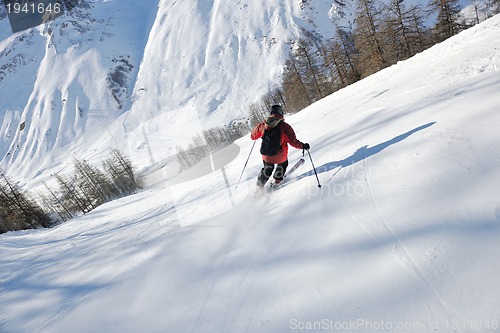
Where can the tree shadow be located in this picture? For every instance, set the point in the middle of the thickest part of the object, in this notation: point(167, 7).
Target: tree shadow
point(363, 153)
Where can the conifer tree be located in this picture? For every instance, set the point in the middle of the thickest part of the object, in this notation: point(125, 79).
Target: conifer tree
point(368, 38)
point(496, 7)
point(308, 63)
point(121, 173)
point(295, 91)
point(403, 29)
point(347, 44)
point(341, 54)
point(17, 210)
point(449, 20)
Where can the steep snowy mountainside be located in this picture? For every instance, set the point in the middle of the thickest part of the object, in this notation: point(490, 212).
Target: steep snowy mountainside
point(224, 57)
point(111, 71)
point(62, 83)
point(142, 76)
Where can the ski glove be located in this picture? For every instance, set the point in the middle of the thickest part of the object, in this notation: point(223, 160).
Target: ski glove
point(306, 146)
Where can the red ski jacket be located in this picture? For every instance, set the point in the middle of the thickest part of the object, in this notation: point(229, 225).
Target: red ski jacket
point(287, 137)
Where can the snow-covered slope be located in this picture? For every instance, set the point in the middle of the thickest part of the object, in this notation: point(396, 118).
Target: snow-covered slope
point(402, 236)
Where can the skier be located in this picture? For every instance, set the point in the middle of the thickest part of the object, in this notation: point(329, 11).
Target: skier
point(276, 134)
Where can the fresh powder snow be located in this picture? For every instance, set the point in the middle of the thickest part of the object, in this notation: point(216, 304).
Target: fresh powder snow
point(402, 236)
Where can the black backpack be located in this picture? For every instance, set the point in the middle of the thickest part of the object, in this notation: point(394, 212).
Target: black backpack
point(271, 141)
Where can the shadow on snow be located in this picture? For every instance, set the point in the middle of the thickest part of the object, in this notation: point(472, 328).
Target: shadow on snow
point(363, 153)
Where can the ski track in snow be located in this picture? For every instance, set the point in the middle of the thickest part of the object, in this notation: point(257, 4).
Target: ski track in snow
point(401, 251)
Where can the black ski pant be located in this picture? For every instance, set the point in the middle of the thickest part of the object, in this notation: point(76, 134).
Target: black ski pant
point(267, 171)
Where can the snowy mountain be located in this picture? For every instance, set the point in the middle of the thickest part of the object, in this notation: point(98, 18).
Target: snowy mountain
point(110, 71)
point(402, 236)
point(129, 74)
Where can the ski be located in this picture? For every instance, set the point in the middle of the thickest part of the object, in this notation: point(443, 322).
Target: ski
point(274, 186)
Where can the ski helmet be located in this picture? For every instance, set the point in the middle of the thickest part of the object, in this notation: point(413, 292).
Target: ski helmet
point(277, 109)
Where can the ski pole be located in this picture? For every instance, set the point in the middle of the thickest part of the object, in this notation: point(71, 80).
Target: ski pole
point(314, 168)
point(246, 164)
